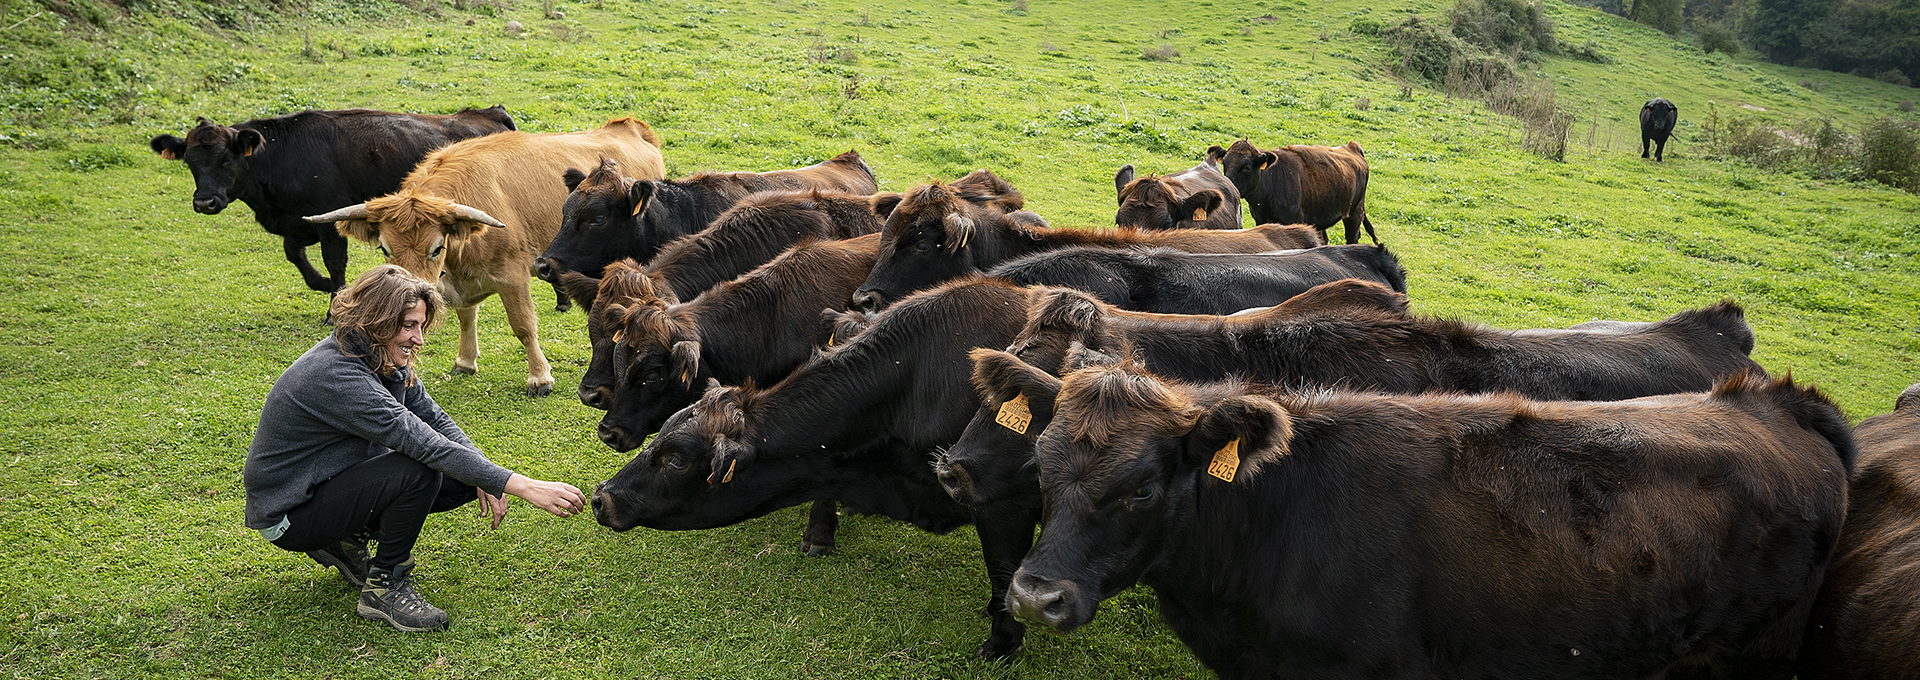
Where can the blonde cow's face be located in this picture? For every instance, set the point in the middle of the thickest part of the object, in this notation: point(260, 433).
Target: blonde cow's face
point(413, 232)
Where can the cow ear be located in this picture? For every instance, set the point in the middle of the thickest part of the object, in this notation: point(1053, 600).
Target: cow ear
point(1120, 181)
point(169, 147)
point(573, 177)
point(884, 202)
point(1198, 206)
point(1215, 153)
point(999, 377)
point(728, 457)
point(363, 231)
point(248, 142)
point(638, 194)
point(1232, 439)
point(662, 289)
point(686, 361)
point(1267, 158)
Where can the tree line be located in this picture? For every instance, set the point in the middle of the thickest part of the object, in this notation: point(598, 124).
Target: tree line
point(1873, 38)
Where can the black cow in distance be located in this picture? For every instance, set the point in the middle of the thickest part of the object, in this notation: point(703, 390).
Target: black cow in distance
point(1657, 119)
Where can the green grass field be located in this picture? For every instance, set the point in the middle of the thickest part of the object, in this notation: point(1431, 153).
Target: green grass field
point(138, 339)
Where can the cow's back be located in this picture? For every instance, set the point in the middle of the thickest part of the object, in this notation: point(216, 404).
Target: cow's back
point(1686, 352)
point(1332, 179)
point(1867, 622)
point(317, 161)
point(510, 175)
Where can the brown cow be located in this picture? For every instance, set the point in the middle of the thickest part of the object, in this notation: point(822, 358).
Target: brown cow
point(1317, 185)
point(1199, 197)
point(1867, 622)
point(433, 225)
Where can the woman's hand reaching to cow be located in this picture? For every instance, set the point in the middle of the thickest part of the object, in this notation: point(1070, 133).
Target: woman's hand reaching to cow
point(559, 498)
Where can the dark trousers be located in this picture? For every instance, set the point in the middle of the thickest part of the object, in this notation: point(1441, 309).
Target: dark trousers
point(387, 497)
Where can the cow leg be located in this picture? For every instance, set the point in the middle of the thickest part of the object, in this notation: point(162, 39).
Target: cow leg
point(297, 254)
point(526, 326)
point(561, 303)
point(822, 522)
point(1643, 146)
point(333, 254)
point(1006, 534)
point(1659, 151)
point(468, 361)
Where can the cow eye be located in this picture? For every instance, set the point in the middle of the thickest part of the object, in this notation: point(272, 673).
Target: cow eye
point(383, 251)
point(923, 246)
point(674, 462)
point(597, 221)
point(437, 251)
point(1143, 494)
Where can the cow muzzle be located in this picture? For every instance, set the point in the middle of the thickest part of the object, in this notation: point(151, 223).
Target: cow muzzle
point(1056, 604)
point(603, 509)
point(869, 301)
point(210, 205)
point(595, 397)
point(957, 483)
point(548, 269)
point(618, 438)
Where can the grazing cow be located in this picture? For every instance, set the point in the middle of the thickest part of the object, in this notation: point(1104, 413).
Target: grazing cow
point(1334, 534)
point(311, 162)
point(854, 424)
point(1196, 198)
point(932, 234)
point(1317, 185)
point(1657, 118)
point(608, 216)
point(1866, 625)
point(1177, 282)
point(1348, 333)
point(472, 215)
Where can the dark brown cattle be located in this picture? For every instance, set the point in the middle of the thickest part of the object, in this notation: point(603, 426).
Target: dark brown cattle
point(933, 234)
point(609, 216)
point(1349, 333)
point(1196, 198)
point(1867, 623)
point(1178, 282)
point(1346, 535)
point(1317, 185)
point(853, 424)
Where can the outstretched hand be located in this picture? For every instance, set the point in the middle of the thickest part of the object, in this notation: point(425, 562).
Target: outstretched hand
point(559, 498)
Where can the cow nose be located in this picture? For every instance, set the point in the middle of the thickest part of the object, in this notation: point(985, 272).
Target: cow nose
point(955, 481)
point(547, 269)
point(595, 397)
point(207, 206)
point(613, 437)
point(868, 301)
point(1050, 603)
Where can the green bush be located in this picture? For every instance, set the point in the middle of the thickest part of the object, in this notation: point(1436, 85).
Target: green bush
point(1893, 75)
point(1423, 48)
point(1505, 26)
point(1717, 36)
point(1890, 153)
point(1365, 25)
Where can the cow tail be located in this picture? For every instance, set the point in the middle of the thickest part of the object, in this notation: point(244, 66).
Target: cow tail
point(1390, 269)
point(1369, 225)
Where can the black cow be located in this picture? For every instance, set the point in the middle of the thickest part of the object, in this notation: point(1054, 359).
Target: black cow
point(312, 162)
point(1177, 282)
point(854, 424)
point(1657, 118)
point(1344, 535)
point(1865, 624)
point(1349, 333)
point(1199, 197)
point(933, 234)
point(1317, 185)
point(609, 217)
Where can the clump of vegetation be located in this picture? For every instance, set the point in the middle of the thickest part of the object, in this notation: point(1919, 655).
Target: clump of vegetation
point(92, 158)
point(1894, 76)
point(1586, 51)
point(1161, 53)
point(1716, 36)
point(1905, 105)
point(1890, 153)
point(1886, 150)
point(1516, 27)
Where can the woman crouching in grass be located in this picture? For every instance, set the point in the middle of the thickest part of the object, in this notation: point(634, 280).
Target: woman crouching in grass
point(351, 448)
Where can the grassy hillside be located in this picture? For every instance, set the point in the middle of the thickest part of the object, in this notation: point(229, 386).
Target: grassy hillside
point(137, 338)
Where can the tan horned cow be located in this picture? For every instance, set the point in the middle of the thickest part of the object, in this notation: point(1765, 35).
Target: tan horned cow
point(471, 217)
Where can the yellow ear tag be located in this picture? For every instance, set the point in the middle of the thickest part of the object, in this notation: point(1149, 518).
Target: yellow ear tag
point(1014, 415)
point(1226, 461)
point(729, 476)
point(1199, 214)
point(1263, 166)
point(637, 207)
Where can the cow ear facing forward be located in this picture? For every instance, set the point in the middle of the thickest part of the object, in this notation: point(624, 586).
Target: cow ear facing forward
point(1120, 181)
point(1235, 437)
point(999, 376)
point(169, 147)
point(686, 362)
point(884, 202)
point(1198, 206)
point(1267, 159)
point(572, 178)
point(638, 195)
point(248, 142)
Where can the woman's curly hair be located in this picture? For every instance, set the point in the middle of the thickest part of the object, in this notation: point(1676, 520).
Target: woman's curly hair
point(369, 313)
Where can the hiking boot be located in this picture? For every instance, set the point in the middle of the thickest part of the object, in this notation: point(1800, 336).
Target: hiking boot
point(390, 596)
point(349, 556)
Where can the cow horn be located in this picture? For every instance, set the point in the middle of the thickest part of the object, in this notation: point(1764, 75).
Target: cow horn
point(356, 211)
point(471, 213)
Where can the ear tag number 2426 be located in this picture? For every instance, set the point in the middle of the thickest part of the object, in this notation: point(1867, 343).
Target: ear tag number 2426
point(1014, 415)
point(1226, 461)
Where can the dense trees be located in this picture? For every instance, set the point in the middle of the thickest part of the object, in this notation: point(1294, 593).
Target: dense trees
point(1875, 38)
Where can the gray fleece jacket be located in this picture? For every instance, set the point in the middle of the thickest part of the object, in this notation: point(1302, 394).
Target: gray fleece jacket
point(329, 412)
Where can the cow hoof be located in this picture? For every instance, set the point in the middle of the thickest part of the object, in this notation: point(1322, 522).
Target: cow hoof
point(816, 549)
point(539, 389)
point(465, 370)
point(998, 650)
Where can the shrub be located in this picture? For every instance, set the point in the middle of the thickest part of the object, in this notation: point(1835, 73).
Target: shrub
point(1893, 75)
point(1365, 25)
point(1587, 51)
point(1503, 25)
point(1905, 105)
point(1890, 153)
point(1423, 48)
point(1161, 53)
point(1717, 36)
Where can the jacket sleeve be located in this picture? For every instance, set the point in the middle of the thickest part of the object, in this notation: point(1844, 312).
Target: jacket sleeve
point(361, 406)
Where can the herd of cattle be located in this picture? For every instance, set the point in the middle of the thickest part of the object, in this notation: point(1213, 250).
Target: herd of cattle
point(1314, 480)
